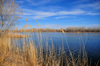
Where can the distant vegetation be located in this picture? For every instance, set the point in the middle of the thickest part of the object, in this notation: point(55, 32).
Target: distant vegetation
point(69, 29)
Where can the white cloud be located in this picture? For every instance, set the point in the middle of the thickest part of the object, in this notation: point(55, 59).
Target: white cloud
point(62, 14)
point(90, 13)
point(62, 17)
point(71, 12)
point(27, 13)
point(65, 17)
point(37, 2)
point(20, 2)
point(49, 11)
point(40, 2)
point(80, 1)
point(28, 0)
point(43, 14)
point(38, 17)
point(95, 5)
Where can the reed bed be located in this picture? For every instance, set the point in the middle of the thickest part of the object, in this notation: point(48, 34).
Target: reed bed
point(32, 55)
point(16, 35)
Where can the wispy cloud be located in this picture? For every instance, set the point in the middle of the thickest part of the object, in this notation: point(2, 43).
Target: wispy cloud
point(76, 12)
point(80, 1)
point(37, 2)
point(43, 14)
point(20, 2)
point(62, 17)
point(94, 5)
point(56, 11)
point(62, 14)
point(90, 13)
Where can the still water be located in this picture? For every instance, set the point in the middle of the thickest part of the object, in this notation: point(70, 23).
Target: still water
point(73, 40)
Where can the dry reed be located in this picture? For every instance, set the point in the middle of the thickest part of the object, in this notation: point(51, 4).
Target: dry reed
point(31, 55)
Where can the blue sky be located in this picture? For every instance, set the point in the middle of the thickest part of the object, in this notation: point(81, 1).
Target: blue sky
point(65, 13)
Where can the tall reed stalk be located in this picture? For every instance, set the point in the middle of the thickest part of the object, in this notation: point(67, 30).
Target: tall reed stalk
point(31, 55)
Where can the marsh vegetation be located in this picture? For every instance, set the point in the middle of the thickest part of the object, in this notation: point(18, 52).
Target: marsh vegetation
point(29, 53)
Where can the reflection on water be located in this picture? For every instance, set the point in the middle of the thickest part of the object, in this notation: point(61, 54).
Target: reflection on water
point(91, 41)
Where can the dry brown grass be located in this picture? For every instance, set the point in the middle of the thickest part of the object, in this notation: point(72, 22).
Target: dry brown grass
point(16, 35)
point(31, 55)
point(27, 56)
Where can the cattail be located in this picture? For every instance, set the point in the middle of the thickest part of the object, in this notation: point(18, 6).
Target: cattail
point(78, 32)
point(37, 29)
point(57, 25)
point(38, 24)
point(32, 30)
point(25, 19)
point(63, 31)
point(29, 25)
point(36, 21)
point(21, 29)
point(24, 26)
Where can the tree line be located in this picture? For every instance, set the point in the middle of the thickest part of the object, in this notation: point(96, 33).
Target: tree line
point(69, 29)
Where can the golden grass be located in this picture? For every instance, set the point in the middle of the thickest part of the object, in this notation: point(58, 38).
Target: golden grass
point(31, 55)
point(16, 35)
point(27, 56)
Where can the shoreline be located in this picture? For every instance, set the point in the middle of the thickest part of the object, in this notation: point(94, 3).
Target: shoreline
point(15, 35)
point(65, 32)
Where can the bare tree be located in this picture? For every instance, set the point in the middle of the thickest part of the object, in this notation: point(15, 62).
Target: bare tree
point(9, 14)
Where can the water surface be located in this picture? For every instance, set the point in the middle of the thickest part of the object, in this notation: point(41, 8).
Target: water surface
point(74, 40)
